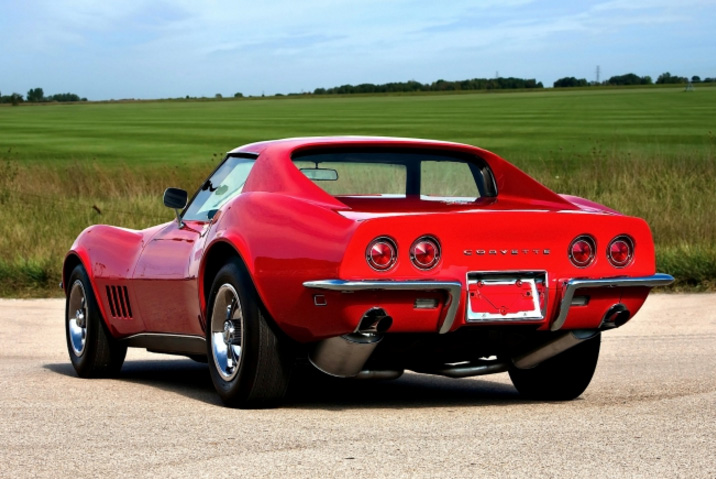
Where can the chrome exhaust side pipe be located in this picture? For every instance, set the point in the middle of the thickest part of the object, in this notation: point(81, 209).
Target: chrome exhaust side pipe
point(344, 356)
point(553, 348)
point(382, 374)
point(469, 369)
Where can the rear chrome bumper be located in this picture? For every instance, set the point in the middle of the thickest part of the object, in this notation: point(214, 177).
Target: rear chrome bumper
point(575, 284)
point(452, 288)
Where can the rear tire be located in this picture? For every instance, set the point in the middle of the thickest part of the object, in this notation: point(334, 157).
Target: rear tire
point(561, 378)
point(249, 363)
point(93, 351)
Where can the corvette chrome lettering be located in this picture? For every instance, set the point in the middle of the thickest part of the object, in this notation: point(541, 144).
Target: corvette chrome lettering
point(505, 252)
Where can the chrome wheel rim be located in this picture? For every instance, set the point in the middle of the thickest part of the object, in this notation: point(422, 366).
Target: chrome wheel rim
point(77, 314)
point(227, 332)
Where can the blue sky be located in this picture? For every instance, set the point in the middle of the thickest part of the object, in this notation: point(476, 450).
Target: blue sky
point(115, 49)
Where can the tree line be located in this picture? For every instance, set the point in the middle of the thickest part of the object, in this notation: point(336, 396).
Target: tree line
point(36, 95)
point(631, 79)
point(499, 83)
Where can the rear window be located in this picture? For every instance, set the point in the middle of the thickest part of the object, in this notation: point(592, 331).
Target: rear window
point(447, 179)
point(359, 178)
point(398, 173)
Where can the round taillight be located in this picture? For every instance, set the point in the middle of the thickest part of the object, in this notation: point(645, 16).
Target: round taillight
point(381, 254)
point(620, 251)
point(582, 251)
point(425, 252)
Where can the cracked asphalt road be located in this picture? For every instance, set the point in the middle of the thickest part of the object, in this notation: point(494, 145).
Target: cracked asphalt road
point(649, 412)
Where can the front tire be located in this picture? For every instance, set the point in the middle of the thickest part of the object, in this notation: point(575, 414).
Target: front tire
point(92, 349)
point(248, 361)
point(561, 378)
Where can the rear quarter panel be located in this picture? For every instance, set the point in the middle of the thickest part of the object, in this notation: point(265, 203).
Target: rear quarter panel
point(283, 242)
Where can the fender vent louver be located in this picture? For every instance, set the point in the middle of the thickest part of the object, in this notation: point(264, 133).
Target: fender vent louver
point(118, 299)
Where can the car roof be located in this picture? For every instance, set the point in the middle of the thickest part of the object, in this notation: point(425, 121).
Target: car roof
point(292, 144)
point(274, 171)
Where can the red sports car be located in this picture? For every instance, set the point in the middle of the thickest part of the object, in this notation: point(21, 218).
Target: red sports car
point(367, 256)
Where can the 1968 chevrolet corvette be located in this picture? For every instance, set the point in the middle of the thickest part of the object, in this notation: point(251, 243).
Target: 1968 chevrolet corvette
point(367, 256)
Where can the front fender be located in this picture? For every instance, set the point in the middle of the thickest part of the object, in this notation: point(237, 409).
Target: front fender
point(107, 253)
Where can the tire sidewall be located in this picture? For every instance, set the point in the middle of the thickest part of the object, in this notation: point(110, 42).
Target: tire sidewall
point(83, 363)
point(237, 389)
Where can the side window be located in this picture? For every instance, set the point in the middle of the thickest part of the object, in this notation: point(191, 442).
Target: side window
point(447, 179)
point(226, 182)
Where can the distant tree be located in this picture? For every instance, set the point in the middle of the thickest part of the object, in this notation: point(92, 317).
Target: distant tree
point(570, 82)
point(708, 80)
point(15, 99)
point(629, 79)
point(64, 97)
point(238, 95)
point(218, 96)
point(668, 78)
point(646, 80)
point(695, 79)
point(35, 95)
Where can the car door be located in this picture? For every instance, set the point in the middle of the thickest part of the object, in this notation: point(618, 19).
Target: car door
point(165, 279)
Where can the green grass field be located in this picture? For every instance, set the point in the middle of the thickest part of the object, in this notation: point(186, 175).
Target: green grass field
point(648, 152)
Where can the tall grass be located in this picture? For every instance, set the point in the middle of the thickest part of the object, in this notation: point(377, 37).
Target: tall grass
point(675, 194)
point(646, 152)
point(43, 207)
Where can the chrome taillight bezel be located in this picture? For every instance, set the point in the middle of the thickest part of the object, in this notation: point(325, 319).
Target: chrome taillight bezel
point(592, 244)
point(393, 257)
point(414, 257)
point(630, 245)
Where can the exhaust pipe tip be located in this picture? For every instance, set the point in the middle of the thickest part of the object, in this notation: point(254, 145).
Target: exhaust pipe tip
point(374, 321)
point(344, 356)
point(615, 316)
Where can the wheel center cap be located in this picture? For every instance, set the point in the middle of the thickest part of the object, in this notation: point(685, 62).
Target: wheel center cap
point(80, 318)
point(228, 331)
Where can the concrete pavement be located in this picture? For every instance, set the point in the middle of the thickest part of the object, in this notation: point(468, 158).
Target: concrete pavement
point(649, 412)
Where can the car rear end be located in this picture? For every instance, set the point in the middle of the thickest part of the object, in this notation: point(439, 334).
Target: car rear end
point(457, 255)
point(443, 273)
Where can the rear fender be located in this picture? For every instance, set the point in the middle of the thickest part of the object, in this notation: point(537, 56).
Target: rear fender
point(283, 242)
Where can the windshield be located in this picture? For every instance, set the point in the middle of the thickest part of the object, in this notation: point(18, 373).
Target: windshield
point(226, 182)
point(430, 175)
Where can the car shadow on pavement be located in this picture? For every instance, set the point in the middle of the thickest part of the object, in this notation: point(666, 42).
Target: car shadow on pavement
point(181, 376)
point(313, 390)
point(310, 390)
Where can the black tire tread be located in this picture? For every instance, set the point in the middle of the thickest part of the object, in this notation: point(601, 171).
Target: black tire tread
point(265, 368)
point(103, 356)
point(561, 378)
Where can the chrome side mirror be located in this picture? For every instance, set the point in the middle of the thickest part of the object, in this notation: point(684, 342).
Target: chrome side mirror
point(176, 199)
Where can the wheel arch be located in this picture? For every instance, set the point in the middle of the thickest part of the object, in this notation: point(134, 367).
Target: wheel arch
point(80, 258)
point(72, 260)
point(219, 253)
point(215, 257)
